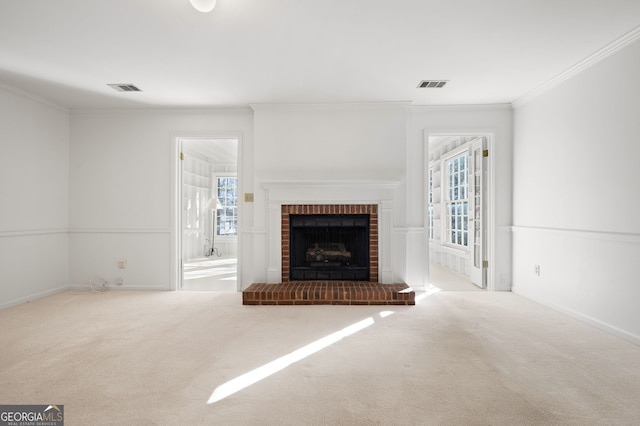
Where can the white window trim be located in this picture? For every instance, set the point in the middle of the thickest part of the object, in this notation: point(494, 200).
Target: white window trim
point(464, 148)
point(214, 185)
point(430, 218)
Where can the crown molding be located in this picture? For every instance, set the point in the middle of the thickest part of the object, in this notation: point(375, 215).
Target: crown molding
point(587, 62)
point(461, 108)
point(160, 110)
point(28, 95)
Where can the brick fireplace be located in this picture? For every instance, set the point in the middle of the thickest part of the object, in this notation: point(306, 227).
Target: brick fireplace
point(333, 292)
point(370, 211)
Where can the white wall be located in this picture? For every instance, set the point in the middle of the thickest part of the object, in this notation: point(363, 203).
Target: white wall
point(339, 145)
point(110, 188)
point(576, 186)
point(343, 145)
point(495, 120)
point(34, 141)
point(330, 142)
point(122, 203)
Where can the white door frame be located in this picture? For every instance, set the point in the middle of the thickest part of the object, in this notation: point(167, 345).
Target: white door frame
point(176, 203)
point(491, 190)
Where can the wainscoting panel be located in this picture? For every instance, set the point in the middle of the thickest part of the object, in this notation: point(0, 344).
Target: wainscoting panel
point(33, 264)
point(95, 253)
point(592, 276)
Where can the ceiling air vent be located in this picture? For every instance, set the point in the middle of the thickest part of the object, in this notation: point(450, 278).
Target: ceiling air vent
point(432, 84)
point(124, 87)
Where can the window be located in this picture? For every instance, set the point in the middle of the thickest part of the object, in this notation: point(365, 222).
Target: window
point(457, 208)
point(227, 214)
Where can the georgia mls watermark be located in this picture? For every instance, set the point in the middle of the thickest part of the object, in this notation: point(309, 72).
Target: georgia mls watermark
point(31, 415)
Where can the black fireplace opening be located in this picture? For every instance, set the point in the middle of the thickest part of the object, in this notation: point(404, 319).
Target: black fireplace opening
point(329, 247)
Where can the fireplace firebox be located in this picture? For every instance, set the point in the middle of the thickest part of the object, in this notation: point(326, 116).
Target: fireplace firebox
point(322, 242)
point(329, 247)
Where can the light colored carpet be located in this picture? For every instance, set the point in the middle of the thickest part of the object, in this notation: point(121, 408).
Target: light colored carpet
point(449, 281)
point(456, 358)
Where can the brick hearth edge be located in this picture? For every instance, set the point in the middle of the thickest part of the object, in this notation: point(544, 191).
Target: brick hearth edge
point(328, 293)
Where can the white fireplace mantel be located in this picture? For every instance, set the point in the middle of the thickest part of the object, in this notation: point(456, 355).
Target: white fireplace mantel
point(329, 192)
point(381, 193)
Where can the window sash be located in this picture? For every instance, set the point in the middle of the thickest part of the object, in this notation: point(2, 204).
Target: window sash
point(227, 215)
point(457, 203)
point(430, 207)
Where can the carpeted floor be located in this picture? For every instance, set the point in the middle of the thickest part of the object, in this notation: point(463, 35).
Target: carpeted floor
point(190, 358)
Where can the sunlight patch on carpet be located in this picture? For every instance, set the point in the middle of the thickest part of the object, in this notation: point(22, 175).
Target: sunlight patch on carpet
point(430, 291)
point(260, 373)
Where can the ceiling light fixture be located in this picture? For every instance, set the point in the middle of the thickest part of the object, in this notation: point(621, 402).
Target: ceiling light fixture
point(203, 5)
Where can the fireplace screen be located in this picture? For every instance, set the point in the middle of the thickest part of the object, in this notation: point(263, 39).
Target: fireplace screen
point(329, 247)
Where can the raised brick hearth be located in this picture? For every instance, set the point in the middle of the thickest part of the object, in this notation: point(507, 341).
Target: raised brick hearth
point(328, 293)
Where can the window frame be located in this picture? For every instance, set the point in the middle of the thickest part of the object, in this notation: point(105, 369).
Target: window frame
point(430, 205)
point(215, 178)
point(447, 202)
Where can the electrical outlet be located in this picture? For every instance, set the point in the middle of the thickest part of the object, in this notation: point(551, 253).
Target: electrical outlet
point(122, 263)
point(536, 269)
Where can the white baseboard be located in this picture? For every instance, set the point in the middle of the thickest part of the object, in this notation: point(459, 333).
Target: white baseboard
point(112, 287)
point(51, 292)
point(607, 328)
point(32, 297)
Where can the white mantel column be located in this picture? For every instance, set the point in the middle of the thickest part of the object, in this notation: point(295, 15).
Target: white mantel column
point(385, 242)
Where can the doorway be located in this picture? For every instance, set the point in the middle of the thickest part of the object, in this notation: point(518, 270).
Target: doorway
point(208, 214)
point(457, 209)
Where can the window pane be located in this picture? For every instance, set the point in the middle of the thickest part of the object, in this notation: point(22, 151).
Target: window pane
point(227, 215)
point(457, 202)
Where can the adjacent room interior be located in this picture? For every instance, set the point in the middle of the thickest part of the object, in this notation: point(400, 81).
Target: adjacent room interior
point(457, 210)
point(208, 214)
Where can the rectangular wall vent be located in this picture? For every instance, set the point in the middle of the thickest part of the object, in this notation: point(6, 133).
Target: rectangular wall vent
point(432, 84)
point(124, 87)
